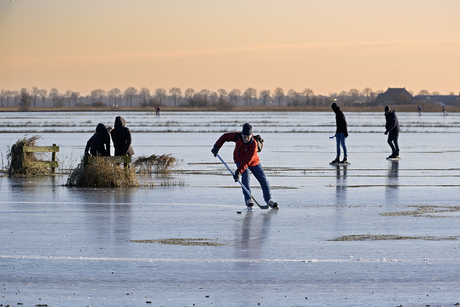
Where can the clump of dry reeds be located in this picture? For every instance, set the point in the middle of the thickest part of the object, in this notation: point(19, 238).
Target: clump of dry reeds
point(102, 174)
point(24, 164)
point(156, 164)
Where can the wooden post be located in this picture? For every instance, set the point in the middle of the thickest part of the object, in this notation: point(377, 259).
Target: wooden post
point(53, 159)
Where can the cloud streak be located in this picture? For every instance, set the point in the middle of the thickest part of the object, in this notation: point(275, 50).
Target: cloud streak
point(339, 47)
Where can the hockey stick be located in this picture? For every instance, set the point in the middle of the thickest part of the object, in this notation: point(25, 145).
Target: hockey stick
point(244, 188)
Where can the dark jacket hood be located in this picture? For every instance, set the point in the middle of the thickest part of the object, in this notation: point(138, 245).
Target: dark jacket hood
point(120, 122)
point(335, 107)
point(101, 127)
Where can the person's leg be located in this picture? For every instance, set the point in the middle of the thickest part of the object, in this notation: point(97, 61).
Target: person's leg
point(259, 173)
point(245, 180)
point(342, 143)
point(390, 142)
point(337, 140)
point(395, 142)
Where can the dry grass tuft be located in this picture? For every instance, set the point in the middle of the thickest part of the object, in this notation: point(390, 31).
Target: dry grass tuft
point(102, 174)
point(156, 164)
point(27, 160)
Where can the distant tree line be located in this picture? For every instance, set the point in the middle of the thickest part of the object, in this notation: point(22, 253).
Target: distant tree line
point(222, 99)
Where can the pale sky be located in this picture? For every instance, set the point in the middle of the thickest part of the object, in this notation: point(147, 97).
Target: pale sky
point(326, 45)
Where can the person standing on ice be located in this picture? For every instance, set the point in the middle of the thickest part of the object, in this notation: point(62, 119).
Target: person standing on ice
point(340, 134)
point(392, 129)
point(245, 157)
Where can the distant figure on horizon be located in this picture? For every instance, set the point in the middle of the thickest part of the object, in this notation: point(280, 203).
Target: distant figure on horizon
point(157, 110)
point(99, 143)
point(444, 111)
point(392, 129)
point(121, 137)
point(419, 110)
point(340, 134)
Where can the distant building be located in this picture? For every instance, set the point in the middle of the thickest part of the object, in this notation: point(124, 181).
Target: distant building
point(394, 96)
point(437, 99)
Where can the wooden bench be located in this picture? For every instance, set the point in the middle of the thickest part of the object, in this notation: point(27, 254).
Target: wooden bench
point(126, 160)
point(53, 164)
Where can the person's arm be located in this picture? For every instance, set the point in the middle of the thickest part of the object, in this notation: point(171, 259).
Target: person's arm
point(88, 145)
point(226, 137)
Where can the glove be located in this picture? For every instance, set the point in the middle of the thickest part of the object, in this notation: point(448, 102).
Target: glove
point(215, 150)
point(236, 176)
point(386, 132)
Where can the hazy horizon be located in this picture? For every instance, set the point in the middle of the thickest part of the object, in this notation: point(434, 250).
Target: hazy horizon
point(328, 46)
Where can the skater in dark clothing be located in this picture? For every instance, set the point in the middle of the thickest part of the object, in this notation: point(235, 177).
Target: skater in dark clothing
point(392, 129)
point(121, 138)
point(340, 134)
point(99, 143)
point(245, 157)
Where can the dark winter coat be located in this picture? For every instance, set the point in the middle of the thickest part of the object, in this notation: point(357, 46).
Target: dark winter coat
point(392, 123)
point(121, 138)
point(244, 153)
point(99, 143)
point(340, 120)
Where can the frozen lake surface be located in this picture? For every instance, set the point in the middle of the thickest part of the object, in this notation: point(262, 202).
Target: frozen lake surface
point(373, 233)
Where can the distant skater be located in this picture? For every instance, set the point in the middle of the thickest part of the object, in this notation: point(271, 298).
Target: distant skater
point(121, 137)
point(157, 110)
point(246, 158)
point(419, 110)
point(444, 111)
point(99, 143)
point(392, 129)
point(340, 134)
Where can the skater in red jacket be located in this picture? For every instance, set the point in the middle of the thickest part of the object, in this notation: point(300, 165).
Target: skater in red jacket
point(245, 157)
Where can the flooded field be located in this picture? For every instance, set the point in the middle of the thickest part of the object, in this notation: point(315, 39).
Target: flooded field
point(373, 233)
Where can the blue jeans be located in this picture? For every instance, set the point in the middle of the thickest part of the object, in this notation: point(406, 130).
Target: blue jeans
point(340, 139)
point(259, 173)
point(393, 142)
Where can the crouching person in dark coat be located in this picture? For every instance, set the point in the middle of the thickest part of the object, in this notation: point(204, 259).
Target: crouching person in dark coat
point(99, 143)
point(121, 137)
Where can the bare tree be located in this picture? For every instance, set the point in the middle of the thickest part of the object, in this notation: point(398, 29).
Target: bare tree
point(265, 94)
point(189, 93)
point(145, 94)
point(24, 100)
point(68, 95)
point(204, 94)
point(233, 95)
point(424, 92)
point(307, 93)
point(160, 94)
point(2, 96)
point(129, 94)
point(74, 96)
point(97, 95)
point(367, 92)
point(34, 93)
point(279, 94)
point(222, 93)
point(113, 94)
point(54, 95)
point(176, 94)
point(42, 94)
point(354, 94)
point(250, 94)
point(15, 95)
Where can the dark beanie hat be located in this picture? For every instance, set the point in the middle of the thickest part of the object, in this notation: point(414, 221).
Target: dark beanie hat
point(247, 129)
point(334, 106)
point(387, 109)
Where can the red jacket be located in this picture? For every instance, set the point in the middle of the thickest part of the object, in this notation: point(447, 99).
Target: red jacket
point(244, 153)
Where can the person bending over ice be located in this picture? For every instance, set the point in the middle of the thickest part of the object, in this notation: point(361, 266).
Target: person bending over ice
point(245, 157)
